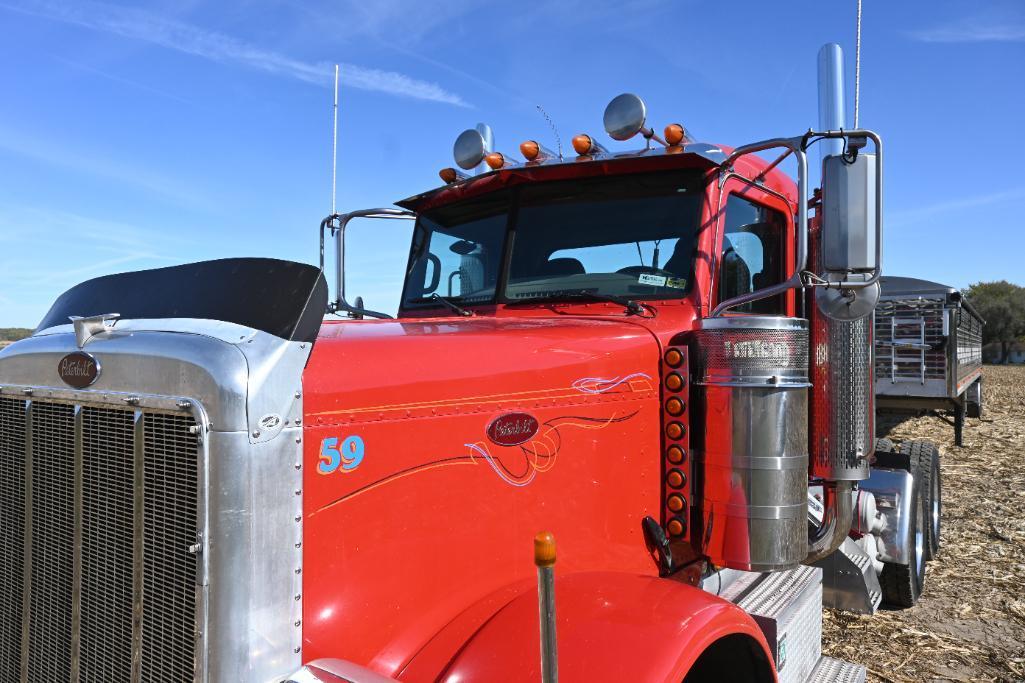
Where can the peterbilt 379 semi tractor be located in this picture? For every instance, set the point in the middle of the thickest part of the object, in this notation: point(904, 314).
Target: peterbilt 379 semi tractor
point(662, 357)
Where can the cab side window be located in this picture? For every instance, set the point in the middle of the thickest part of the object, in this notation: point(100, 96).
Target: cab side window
point(752, 256)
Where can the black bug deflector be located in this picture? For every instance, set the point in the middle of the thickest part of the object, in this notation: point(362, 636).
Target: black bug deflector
point(283, 298)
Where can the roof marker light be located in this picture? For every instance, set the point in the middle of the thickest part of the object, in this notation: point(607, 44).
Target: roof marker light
point(584, 144)
point(534, 151)
point(675, 134)
point(451, 175)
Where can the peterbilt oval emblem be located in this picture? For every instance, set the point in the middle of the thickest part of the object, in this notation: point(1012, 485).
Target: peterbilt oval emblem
point(512, 429)
point(79, 369)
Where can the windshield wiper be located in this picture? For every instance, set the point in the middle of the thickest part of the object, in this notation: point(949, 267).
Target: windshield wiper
point(632, 307)
point(457, 309)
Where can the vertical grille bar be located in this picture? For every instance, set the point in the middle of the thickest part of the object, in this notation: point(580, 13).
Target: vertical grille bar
point(138, 543)
point(76, 572)
point(53, 474)
point(171, 479)
point(107, 550)
point(26, 573)
point(12, 535)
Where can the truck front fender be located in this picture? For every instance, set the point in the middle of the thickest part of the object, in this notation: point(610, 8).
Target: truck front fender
point(612, 627)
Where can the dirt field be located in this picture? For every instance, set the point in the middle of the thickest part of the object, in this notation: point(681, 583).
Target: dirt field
point(970, 622)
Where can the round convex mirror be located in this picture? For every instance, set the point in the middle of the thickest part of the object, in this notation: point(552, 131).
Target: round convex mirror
point(469, 149)
point(625, 116)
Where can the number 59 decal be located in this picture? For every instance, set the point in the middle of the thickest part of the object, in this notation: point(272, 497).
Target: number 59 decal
point(346, 457)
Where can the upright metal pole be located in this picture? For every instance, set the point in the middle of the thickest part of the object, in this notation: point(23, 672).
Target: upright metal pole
point(831, 97)
point(334, 149)
point(489, 145)
point(857, 68)
point(544, 559)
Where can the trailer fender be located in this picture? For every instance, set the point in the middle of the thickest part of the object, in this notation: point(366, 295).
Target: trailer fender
point(616, 627)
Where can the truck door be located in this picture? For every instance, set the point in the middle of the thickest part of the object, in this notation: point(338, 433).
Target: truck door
point(754, 247)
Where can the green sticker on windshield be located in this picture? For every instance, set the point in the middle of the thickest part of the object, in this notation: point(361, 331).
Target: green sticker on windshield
point(676, 282)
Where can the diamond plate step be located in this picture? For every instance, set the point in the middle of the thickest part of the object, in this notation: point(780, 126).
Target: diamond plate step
point(829, 670)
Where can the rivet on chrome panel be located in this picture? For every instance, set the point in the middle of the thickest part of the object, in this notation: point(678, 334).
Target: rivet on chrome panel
point(298, 439)
point(299, 544)
point(298, 466)
point(298, 394)
point(256, 433)
point(298, 420)
point(298, 518)
point(298, 570)
point(297, 624)
point(298, 597)
point(297, 650)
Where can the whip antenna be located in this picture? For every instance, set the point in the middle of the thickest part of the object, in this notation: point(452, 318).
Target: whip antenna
point(558, 140)
point(334, 149)
point(857, 67)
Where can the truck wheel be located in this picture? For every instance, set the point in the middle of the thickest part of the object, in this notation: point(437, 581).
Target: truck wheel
point(885, 445)
point(902, 584)
point(928, 456)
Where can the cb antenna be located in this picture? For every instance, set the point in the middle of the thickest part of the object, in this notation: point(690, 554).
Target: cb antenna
point(334, 149)
point(558, 140)
point(857, 67)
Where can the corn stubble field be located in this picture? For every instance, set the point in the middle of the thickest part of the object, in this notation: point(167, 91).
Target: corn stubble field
point(970, 622)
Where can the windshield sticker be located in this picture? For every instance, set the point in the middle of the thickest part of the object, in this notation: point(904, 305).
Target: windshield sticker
point(676, 282)
point(653, 280)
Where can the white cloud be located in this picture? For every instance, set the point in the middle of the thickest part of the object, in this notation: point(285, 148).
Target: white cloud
point(972, 32)
point(909, 216)
point(168, 33)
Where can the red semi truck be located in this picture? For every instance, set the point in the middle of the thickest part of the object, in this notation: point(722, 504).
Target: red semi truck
point(662, 357)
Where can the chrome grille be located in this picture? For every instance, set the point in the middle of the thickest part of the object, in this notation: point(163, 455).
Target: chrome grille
point(105, 643)
point(52, 490)
point(12, 534)
point(169, 575)
point(98, 513)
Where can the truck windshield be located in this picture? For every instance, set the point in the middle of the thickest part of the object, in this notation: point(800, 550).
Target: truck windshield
point(623, 236)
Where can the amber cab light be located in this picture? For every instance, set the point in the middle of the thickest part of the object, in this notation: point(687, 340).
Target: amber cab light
point(674, 382)
point(674, 430)
point(675, 502)
point(530, 149)
point(676, 479)
point(675, 527)
point(674, 454)
point(583, 144)
point(674, 134)
point(675, 406)
point(674, 358)
point(495, 160)
point(448, 175)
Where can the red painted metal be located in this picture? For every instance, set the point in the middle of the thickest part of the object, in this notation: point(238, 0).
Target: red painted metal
point(418, 524)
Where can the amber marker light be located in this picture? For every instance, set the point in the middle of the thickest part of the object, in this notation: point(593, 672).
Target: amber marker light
point(674, 358)
point(674, 134)
point(674, 454)
point(675, 527)
point(675, 502)
point(530, 150)
point(674, 406)
point(674, 430)
point(495, 160)
point(448, 175)
point(676, 479)
point(583, 144)
point(544, 549)
point(674, 382)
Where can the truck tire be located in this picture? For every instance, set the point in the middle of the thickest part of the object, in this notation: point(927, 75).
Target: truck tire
point(928, 456)
point(902, 584)
point(885, 445)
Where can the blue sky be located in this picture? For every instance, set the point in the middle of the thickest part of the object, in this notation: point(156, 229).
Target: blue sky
point(141, 135)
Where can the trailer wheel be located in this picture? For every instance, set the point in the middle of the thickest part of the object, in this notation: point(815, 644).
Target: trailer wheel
point(902, 584)
point(928, 456)
point(885, 445)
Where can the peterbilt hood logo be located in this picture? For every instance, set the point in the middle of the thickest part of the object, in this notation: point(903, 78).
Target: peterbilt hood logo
point(79, 369)
point(512, 429)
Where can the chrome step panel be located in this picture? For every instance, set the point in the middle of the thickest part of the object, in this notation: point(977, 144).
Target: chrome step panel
point(829, 670)
point(848, 580)
point(788, 608)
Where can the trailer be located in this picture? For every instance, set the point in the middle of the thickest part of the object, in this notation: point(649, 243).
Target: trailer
point(659, 359)
point(928, 350)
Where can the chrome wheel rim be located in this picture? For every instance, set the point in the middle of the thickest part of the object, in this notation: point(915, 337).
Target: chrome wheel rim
point(935, 486)
point(919, 540)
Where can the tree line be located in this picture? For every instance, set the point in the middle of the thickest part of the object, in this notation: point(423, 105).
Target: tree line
point(10, 334)
point(1002, 305)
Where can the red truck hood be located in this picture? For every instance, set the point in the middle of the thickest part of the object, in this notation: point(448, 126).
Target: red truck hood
point(411, 447)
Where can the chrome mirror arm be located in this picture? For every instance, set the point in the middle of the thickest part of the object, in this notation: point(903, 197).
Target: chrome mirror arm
point(337, 223)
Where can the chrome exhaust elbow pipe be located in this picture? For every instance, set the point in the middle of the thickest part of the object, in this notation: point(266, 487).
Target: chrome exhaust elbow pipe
point(836, 521)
